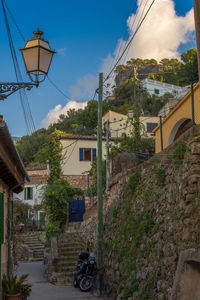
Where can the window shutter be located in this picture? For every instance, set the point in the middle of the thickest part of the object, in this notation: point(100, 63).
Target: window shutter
point(81, 152)
point(1, 218)
point(94, 153)
point(31, 193)
point(25, 193)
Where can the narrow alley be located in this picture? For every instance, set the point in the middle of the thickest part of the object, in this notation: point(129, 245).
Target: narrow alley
point(43, 290)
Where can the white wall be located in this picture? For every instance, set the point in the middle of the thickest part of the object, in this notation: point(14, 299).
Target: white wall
point(163, 87)
point(72, 164)
point(37, 194)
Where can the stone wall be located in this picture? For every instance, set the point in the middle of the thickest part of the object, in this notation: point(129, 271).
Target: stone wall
point(78, 181)
point(150, 218)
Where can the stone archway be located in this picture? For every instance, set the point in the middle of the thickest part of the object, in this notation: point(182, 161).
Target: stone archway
point(179, 128)
point(187, 279)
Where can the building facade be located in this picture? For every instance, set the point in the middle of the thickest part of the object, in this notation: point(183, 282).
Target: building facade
point(12, 178)
point(33, 193)
point(119, 124)
point(159, 88)
point(79, 152)
point(178, 120)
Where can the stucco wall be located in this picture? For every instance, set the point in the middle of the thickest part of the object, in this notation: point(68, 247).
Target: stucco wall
point(118, 123)
point(182, 111)
point(71, 164)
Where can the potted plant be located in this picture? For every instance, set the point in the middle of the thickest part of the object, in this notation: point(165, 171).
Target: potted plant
point(16, 289)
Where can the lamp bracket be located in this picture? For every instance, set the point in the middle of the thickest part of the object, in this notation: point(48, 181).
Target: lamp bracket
point(8, 88)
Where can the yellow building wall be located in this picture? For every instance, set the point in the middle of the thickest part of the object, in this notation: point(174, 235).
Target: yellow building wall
point(118, 123)
point(71, 164)
point(183, 110)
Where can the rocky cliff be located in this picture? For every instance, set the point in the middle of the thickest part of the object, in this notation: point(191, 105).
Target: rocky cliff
point(151, 215)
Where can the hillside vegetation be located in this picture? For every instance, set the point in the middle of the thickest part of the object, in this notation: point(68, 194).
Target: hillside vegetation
point(33, 149)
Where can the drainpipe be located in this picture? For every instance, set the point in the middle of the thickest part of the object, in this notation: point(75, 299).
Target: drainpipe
point(9, 226)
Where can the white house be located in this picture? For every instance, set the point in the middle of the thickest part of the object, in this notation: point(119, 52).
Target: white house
point(160, 88)
point(79, 152)
point(33, 192)
point(119, 123)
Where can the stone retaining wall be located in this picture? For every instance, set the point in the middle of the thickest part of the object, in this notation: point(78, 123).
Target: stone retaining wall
point(150, 221)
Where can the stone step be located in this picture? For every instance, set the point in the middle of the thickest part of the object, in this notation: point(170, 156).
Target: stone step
point(69, 249)
point(68, 257)
point(35, 246)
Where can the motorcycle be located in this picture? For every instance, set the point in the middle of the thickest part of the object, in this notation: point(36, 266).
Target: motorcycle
point(80, 267)
point(90, 271)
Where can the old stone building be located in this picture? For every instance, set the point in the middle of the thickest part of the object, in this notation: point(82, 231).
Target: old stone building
point(12, 178)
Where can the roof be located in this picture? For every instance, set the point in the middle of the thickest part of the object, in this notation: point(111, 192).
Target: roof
point(81, 138)
point(12, 170)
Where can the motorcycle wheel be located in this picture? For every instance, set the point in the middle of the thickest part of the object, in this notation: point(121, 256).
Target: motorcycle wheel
point(86, 283)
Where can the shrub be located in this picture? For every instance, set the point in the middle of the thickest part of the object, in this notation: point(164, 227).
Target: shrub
point(160, 176)
point(132, 183)
point(179, 152)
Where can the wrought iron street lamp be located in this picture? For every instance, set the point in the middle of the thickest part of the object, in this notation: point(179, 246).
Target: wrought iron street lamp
point(37, 56)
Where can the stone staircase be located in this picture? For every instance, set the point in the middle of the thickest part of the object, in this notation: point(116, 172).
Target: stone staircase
point(35, 246)
point(69, 244)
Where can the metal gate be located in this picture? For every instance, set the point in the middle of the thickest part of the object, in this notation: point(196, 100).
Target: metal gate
point(76, 210)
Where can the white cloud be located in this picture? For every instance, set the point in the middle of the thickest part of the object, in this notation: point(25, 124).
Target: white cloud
point(53, 114)
point(160, 36)
point(161, 33)
point(61, 51)
point(84, 87)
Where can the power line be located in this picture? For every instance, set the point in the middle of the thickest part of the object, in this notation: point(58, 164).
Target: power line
point(131, 39)
point(23, 97)
point(58, 89)
point(21, 34)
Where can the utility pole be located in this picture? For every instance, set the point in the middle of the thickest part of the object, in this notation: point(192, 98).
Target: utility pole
point(192, 102)
point(99, 184)
point(197, 25)
point(136, 113)
point(107, 125)
point(161, 134)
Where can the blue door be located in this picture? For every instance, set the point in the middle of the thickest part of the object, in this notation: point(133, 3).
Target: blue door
point(76, 210)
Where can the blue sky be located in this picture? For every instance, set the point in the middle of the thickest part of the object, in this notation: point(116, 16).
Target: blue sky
point(85, 35)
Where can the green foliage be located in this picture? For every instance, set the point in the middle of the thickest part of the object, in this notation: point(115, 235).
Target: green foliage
point(56, 198)
point(29, 145)
point(127, 143)
point(132, 183)
point(160, 176)
point(179, 152)
point(92, 190)
point(55, 155)
point(129, 290)
point(12, 285)
point(52, 229)
point(20, 209)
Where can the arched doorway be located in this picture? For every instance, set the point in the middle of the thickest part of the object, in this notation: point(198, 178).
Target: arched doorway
point(178, 129)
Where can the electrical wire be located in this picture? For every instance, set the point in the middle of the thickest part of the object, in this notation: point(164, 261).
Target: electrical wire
point(21, 34)
point(131, 39)
point(58, 89)
point(23, 97)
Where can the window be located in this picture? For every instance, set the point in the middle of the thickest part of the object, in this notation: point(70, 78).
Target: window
point(151, 126)
point(156, 91)
point(87, 154)
point(28, 193)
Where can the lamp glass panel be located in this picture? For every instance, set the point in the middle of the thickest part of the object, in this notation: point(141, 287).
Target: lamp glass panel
point(31, 59)
point(45, 60)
